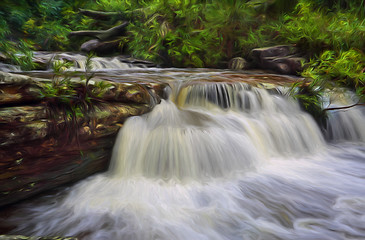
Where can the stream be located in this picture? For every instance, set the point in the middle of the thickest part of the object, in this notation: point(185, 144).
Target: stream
point(220, 158)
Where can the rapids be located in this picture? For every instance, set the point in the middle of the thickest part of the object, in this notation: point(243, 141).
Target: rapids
point(218, 160)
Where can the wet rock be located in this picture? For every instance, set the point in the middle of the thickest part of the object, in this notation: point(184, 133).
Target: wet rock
point(15, 88)
point(237, 63)
point(101, 48)
point(89, 45)
point(282, 59)
point(285, 65)
point(126, 92)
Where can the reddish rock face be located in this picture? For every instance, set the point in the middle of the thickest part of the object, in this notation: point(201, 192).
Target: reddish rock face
point(41, 147)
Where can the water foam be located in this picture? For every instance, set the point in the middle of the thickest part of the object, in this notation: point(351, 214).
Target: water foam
point(171, 178)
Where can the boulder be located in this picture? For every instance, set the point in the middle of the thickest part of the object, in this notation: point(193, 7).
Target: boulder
point(90, 45)
point(290, 65)
point(101, 48)
point(282, 59)
point(237, 63)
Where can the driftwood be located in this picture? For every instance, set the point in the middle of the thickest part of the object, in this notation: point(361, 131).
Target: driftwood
point(344, 107)
point(102, 34)
point(105, 16)
point(99, 15)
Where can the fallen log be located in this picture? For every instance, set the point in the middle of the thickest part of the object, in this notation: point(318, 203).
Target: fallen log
point(102, 34)
point(99, 15)
point(344, 107)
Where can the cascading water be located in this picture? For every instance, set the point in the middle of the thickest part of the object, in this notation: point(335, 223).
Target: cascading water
point(228, 161)
point(352, 118)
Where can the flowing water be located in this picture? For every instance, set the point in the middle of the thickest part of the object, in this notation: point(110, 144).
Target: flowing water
point(218, 160)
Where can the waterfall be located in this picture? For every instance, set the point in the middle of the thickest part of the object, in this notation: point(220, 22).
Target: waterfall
point(344, 123)
point(219, 160)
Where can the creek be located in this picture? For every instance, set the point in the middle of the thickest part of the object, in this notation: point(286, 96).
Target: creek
point(221, 158)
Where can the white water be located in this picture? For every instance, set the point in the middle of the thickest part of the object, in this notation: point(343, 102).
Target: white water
point(254, 168)
point(352, 118)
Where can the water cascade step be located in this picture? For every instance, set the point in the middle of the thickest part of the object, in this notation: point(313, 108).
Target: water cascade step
point(218, 160)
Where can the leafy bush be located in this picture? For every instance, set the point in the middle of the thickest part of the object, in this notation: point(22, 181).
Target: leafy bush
point(172, 32)
point(345, 69)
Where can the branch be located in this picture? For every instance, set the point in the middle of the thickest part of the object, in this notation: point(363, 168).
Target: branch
point(99, 15)
point(344, 107)
point(102, 34)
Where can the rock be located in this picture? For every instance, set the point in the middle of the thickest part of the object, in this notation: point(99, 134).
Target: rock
point(284, 65)
point(41, 147)
point(281, 59)
point(89, 45)
point(101, 48)
point(32, 165)
point(15, 89)
point(14, 79)
point(126, 92)
point(275, 51)
point(3, 57)
point(237, 63)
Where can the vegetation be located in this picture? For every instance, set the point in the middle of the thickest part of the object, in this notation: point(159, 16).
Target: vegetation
point(204, 33)
point(75, 100)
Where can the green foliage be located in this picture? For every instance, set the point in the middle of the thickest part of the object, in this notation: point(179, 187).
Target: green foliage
point(172, 32)
point(50, 35)
point(45, 22)
point(314, 29)
point(70, 97)
point(354, 6)
point(331, 70)
point(118, 5)
point(309, 95)
point(345, 68)
point(184, 33)
point(19, 53)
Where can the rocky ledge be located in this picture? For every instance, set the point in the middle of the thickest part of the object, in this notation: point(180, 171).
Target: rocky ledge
point(45, 142)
